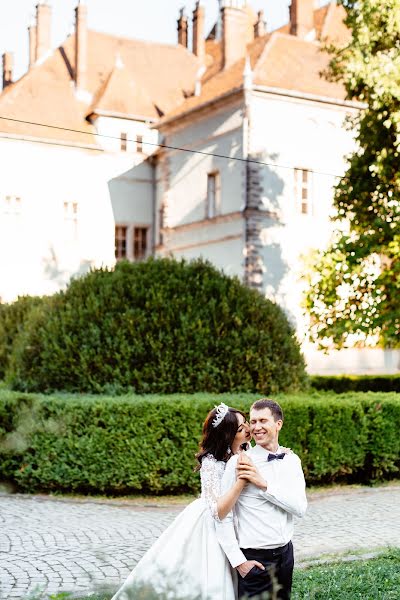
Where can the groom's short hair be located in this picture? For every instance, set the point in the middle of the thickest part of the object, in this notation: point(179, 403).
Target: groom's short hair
point(273, 406)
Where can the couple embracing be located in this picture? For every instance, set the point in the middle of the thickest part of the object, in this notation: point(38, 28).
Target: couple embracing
point(235, 540)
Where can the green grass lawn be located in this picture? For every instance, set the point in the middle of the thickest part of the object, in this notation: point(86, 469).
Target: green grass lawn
point(374, 579)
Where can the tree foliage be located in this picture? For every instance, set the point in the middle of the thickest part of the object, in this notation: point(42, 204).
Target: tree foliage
point(355, 283)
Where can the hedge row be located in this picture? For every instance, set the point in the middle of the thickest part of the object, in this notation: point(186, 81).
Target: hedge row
point(356, 383)
point(122, 445)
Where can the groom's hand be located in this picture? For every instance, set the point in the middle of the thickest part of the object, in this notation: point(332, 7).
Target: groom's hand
point(247, 566)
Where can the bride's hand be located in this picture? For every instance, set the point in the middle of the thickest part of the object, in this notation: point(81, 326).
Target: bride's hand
point(252, 475)
point(244, 459)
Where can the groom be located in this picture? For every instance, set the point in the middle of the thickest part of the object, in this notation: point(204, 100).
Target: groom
point(261, 549)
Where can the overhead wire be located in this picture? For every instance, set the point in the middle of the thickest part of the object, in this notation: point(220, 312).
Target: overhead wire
point(165, 146)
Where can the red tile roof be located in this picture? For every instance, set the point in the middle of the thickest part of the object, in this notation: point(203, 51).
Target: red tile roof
point(45, 95)
point(294, 64)
point(159, 73)
point(158, 80)
point(279, 60)
point(121, 95)
point(217, 81)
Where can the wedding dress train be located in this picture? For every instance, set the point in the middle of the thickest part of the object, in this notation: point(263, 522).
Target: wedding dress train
point(187, 562)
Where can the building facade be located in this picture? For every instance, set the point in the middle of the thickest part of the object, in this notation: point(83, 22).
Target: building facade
point(226, 146)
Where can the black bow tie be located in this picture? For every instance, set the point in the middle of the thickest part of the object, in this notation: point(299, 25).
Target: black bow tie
point(275, 456)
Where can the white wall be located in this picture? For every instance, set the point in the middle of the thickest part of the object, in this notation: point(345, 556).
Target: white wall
point(219, 242)
point(212, 134)
point(39, 254)
point(350, 361)
point(304, 134)
point(110, 129)
point(39, 249)
point(226, 256)
point(129, 173)
point(293, 134)
point(182, 184)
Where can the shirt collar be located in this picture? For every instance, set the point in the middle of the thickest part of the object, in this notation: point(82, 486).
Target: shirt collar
point(262, 452)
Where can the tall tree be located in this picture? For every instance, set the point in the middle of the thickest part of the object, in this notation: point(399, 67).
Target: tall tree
point(354, 290)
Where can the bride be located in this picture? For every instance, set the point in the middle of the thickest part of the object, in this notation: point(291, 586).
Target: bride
point(186, 562)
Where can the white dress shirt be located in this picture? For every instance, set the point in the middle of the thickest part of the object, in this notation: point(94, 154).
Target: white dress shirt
point(263, 519)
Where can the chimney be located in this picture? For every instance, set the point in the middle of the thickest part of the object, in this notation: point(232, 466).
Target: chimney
point(302, 18)
point(81, 35)
point(199, 45)
point(32, 44)
point(43, 29)
point(183, 29)
point(260, 27)
point(7, 69)
point(235, 25)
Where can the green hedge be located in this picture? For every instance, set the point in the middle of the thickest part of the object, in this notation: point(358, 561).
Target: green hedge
point(12, 319)
point(159, 326)
point(96, 444)
point(356, 383)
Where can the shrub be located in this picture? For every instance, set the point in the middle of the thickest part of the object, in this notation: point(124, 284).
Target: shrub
point(97, 444)
point(158, 326)
point(356, 383)
point(12, 318)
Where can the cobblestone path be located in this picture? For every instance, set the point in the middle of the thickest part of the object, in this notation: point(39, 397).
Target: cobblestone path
point(64, 545)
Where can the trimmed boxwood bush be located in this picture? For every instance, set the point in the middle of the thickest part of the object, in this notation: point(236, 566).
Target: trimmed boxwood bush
point(12, 319)
point(356, 383)
point(157, 326)
point(97, 444)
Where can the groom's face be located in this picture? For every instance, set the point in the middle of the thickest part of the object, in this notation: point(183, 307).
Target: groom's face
point(263, 427)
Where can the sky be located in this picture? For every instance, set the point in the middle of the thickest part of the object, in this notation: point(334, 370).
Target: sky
point(153, 20)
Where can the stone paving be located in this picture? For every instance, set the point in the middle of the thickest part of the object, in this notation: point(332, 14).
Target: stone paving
point(55, 545)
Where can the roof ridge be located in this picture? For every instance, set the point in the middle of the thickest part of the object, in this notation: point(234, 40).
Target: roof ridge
point(100, 92)
point(295, 38)
point(144, 42)
point(28, 73)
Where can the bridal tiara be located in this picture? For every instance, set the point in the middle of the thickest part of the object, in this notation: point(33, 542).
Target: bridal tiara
point(222, 410)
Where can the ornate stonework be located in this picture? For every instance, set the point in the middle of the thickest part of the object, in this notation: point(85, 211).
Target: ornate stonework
point(254, 218)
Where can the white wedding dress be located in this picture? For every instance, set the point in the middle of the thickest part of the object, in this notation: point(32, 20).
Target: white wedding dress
point(187, 562)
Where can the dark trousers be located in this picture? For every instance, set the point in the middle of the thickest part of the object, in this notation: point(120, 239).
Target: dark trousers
point(277, 577)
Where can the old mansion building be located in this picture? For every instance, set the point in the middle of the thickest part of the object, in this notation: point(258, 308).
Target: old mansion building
point(225, 146)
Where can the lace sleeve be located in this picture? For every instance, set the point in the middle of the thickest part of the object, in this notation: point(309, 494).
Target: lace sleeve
point(211, 474)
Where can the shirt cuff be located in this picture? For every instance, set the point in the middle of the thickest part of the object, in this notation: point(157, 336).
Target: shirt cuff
point(236, 558)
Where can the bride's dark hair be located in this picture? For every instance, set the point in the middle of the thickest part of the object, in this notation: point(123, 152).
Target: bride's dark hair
point(217, 440)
